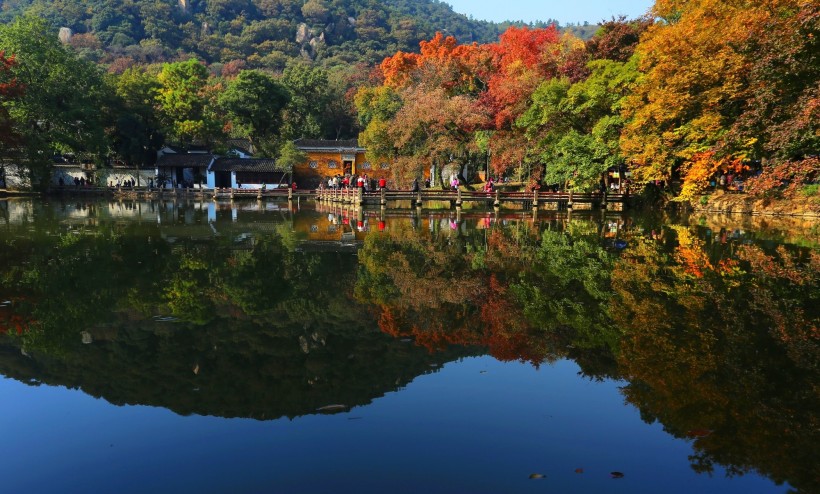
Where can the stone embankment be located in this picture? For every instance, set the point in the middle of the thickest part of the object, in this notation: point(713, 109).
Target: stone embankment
point(737, 203)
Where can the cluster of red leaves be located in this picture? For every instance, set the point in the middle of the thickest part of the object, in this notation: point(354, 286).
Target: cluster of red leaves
point(442, 62)
point(785, 178)
point(10, 88)
point(522, 59)
point(11, 322)
point(784, 266)
point(504, 330)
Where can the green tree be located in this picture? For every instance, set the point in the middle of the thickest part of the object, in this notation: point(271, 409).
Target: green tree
point(290, 156)
point(576, 127)
point(309, 96)
point(184, 102)
point(136, 131)
point(254, 102)
point(60, 109)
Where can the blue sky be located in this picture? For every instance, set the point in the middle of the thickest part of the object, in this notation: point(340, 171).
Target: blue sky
point(564, 11)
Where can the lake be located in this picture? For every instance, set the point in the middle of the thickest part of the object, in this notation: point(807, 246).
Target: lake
point(175, 346)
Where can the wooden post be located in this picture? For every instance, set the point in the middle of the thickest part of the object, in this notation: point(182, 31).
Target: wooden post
point(458, 197)
point(535, 198)
point(360, 196)
point(383, 199)
point(569, 203)
point(418, 199)
point(215, 189)
point(259, 195)
point(290, 193)
point(497, 203)
point(232, 193)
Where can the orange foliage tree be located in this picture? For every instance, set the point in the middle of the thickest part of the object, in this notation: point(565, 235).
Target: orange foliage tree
point(693, 84)
point(723, 83)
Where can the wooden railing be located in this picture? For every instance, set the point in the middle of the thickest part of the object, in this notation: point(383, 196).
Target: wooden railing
point(458, 197)
point(383, 197)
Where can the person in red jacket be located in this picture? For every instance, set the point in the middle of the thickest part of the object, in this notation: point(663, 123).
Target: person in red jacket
point(382, 183)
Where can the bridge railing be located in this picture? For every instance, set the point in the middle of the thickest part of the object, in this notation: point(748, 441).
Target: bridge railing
point(355, 194)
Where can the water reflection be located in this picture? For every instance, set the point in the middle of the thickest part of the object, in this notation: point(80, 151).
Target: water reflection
point(273, 309)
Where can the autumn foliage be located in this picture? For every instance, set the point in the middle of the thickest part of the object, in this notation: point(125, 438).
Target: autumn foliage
point(701, 88)
point(10, 89)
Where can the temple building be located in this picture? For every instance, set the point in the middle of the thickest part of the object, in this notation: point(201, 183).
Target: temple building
point(328, 158)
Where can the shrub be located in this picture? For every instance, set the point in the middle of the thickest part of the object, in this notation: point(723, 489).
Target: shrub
point(786, 178)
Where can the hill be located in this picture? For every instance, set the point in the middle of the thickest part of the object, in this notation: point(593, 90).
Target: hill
point(264, 34)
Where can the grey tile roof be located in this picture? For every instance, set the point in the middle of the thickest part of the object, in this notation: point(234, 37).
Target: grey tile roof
point(194, 160)
point(326, 144)
point(243, 145)
point(260, 165)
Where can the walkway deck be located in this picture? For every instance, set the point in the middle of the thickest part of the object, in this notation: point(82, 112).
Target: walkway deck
point(535, 199)
point(394, 198)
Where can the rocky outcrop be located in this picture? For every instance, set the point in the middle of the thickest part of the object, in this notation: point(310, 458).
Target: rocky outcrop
point(65, 34)
point(303, 34)
point(310, 40)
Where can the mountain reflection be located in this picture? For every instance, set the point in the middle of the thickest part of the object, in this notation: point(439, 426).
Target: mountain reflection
point(264, 312)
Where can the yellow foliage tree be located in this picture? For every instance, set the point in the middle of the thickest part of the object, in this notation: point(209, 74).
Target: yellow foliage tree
point(692, 87)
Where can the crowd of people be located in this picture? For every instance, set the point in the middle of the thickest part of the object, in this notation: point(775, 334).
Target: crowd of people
point(727, 181)
point(90, 182)
point(354, 181)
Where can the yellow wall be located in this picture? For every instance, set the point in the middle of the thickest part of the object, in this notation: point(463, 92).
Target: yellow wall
point(310, 177)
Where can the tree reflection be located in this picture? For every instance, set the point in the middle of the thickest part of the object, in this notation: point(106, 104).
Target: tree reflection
point(226, 327)
point(715, 335)
point(717, 339)
point(722, 349)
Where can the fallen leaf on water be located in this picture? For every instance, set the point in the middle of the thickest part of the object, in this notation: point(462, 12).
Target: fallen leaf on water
point(579, 470)
point(537, 476)
point(616, 475)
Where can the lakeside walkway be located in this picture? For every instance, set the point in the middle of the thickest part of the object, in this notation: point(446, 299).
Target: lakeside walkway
point(457, 198)
point(358, 197)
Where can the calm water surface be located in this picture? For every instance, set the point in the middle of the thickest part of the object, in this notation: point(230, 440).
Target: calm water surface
point(204, 347)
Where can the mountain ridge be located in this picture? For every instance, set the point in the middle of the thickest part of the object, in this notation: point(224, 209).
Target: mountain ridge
point(264, 34)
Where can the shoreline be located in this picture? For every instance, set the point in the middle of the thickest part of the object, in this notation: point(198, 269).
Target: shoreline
point(720, 202)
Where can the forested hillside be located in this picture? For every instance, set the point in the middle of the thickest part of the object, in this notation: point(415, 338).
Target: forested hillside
point(262, 34)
